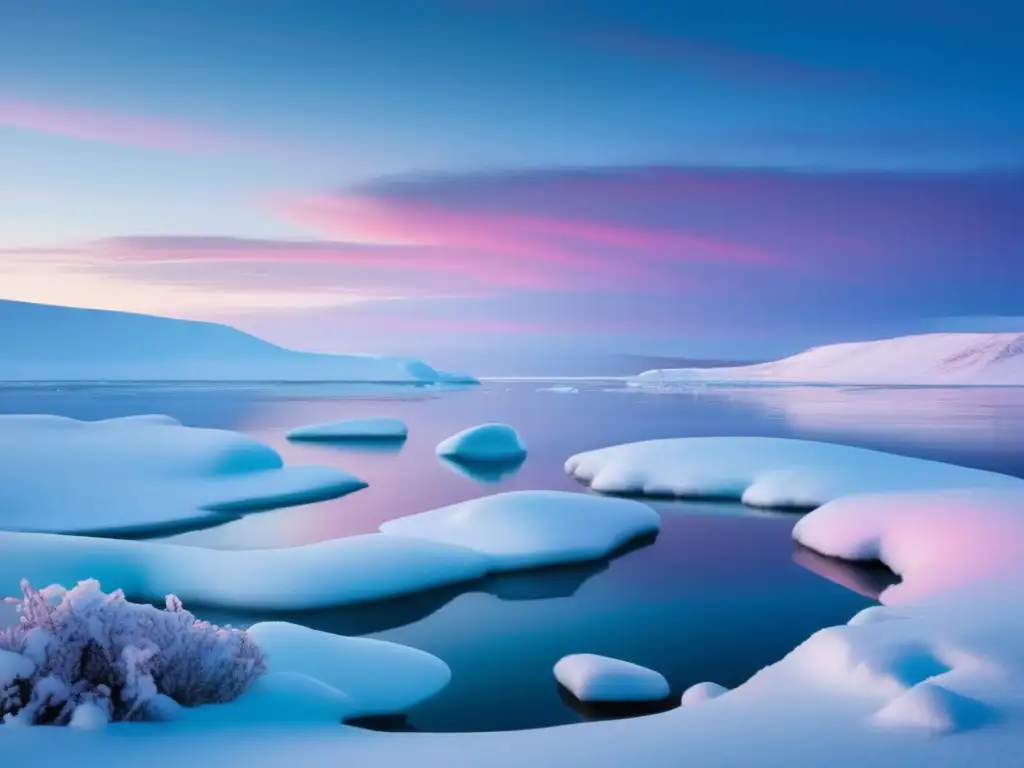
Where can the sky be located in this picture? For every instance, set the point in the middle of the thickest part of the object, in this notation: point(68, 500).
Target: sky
point(725, 179)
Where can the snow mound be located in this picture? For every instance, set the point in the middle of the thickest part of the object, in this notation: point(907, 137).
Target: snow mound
point(978, 359)
point(589, 677)
point(933, 540)
point(353, 429)
point(143, 474)
point(276, 698)
point(380, 678)
point(529, 529)
point(765, 471)
point(71, 344)
point(701, 692)
point(931, 708)
point(483, 443)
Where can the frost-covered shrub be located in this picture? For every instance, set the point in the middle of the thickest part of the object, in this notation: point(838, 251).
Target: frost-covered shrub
point(83, 657)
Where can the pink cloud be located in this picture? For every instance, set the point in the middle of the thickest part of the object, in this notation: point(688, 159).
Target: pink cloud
point(112, 128)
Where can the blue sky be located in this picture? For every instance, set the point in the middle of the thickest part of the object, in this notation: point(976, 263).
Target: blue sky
point(713, 177)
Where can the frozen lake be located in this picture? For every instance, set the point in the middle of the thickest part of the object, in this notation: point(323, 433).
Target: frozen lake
point(719, 594)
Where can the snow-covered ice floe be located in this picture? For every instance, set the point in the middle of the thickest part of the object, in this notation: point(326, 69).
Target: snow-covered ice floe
point(483, 443)
point(352, 429)
point(143, 474)
point(932, 359)
point(529, 529)
point(593, 678)
point(561, 389)
point(765, 471)
point(463, 542)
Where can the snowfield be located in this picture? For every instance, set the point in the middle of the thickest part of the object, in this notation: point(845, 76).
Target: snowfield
point(71, 344)
point(143, 474)
point(765, 471)
point(933, 677)
point(467, 541)
point(933, 359)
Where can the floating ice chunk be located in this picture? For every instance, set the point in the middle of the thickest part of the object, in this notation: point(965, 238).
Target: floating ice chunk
point(528, 529)
point(765, 471)
point(590, 677)
point(483, 443)
point(143, 474)
point(701, 692)
point(379, 677)
point(353, 429)
point(560, 389)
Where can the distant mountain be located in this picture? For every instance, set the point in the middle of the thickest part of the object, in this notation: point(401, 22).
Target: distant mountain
point(979, 359)
point(40, 342)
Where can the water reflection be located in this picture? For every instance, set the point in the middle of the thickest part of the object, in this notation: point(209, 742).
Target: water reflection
point(613, 710)
point(868, 579)
point(358, 445)
point(485, 472)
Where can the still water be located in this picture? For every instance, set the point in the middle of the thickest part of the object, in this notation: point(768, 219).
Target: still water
point(719, 594)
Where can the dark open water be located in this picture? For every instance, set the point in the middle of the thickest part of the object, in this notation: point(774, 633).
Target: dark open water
point(719, 594)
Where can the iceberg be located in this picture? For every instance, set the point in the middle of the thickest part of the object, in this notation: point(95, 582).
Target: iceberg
point(143, 475)
point(484, 443)
point(435, 549)
point(766, 471)
point(932, 359)
point(352, 429)
point(593, 678)
point(70, 344)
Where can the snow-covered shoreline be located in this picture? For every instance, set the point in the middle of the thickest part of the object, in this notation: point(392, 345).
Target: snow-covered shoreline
point(935, 359)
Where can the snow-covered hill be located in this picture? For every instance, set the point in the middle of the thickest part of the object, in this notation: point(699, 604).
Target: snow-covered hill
point(40, 342)
point(978, 359)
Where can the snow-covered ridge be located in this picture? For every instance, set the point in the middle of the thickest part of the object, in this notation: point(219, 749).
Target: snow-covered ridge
point(40, 342)
point(958, 359)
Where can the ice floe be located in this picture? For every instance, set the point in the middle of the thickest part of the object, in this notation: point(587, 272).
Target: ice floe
point(529, 529)
point(446, 546)
point(766, 471)
point(484, 443)
point(143, 474)
point(352, 429)
point(594, 678)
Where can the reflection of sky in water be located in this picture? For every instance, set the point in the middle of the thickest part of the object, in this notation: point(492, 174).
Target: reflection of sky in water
point(720, 594)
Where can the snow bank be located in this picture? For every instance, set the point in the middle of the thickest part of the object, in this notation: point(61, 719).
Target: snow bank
point(933, 540)
point(70, 344)
point(977, 359)
point(143, 474)
point(700, 693)
point(353, 429)
point(529, 529)
point(766, 472)
point(590, 677)
point(483, 443)
point(379, 677)
point(446, 546)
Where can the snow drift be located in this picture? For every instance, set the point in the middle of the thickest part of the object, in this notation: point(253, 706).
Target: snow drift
point(454, 544)
point(143, 474)
point(70, 344)
point(766, 471)
point(934, 359)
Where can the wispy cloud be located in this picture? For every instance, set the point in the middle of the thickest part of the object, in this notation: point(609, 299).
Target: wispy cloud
point(116, 128)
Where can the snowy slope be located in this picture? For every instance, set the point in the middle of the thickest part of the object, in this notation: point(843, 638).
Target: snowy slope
point(930, 359)
point(39, 342)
